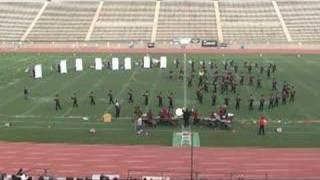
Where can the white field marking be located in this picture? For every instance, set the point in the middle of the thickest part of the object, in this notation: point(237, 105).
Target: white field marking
point(15, 67)
point(55, 92)
point(96, 85)
point(154, 86)
point(185, 99)
point(124, 87)
point(105, 129)
point(9, 84)
point(18, 62)
point(20, 94)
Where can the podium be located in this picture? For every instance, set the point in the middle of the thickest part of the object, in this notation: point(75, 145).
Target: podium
point(107, 118)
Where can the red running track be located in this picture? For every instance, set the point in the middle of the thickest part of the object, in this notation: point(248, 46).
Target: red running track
point(213, 163)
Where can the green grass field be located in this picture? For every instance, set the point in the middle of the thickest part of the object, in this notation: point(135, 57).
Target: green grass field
point(36, 120)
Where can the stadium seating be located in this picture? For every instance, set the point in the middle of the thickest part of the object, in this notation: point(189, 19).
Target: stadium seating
point(186, 19)
point(250, 22)
point(15, 17)
point(64, 21)
point(245, 21)
point(127, 20)
point(302, 19)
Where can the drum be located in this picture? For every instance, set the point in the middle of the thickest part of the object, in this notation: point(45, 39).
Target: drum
point(179, 112)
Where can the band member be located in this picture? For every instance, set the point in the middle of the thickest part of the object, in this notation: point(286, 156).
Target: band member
point(268, 72)
point(251, 100)
point(271, 101)
point(274, 68)
point(235, 68)
point(213, 99)
point(74, 100)
point(186, 117)
point(238, 99)
point(177, 63)
point(233, 87)
point(91, 97)
point(205, 86)
point(251, 77)
point(261, 69)
point(284, 97)
point(274, 84)
point(241, 80)
point(170, 97)
point(26, 93)
point(276, 100)
point(170, 74)
point(192, 66)
point(292, 95)
point(159, 97)
point(259, 83)
point(190, 82)
point(249, 68)
point(199, 95)
point(215, 87)
point(110, 97)
point(262, 100)
point(57, 102)
point(117, 107)
point(146, 98)
point(226, 101)
point(181, 74)
point(130, 98)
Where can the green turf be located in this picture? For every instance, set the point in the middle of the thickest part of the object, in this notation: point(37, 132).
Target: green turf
point(36, 120)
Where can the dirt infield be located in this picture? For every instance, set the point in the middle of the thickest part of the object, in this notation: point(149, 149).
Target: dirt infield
point(85, 160)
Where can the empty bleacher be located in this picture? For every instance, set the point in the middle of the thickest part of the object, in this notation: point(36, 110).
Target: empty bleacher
point(64, 21)
point(245, 21)
point(302, 19)
point(15, 18)
point(250, 22)
point(186, 19)
point(127, 20)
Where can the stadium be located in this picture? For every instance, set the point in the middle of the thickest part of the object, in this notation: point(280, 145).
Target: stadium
point(159, 89)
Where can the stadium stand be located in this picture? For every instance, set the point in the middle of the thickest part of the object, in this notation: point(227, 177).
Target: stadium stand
point(15, 17)
point(229, 21)
point(250, 22)
point(302, 19)
point(180, 19)
point(64, 21)
point(124, 20)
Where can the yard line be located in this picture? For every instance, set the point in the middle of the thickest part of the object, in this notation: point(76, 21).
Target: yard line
point(124, 87)
point(185, 99)
point(154, 86)
point(21, 94)
point(91, 89)
point(55, 92)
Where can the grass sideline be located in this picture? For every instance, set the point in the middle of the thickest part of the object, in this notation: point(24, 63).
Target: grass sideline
point(36, 120)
